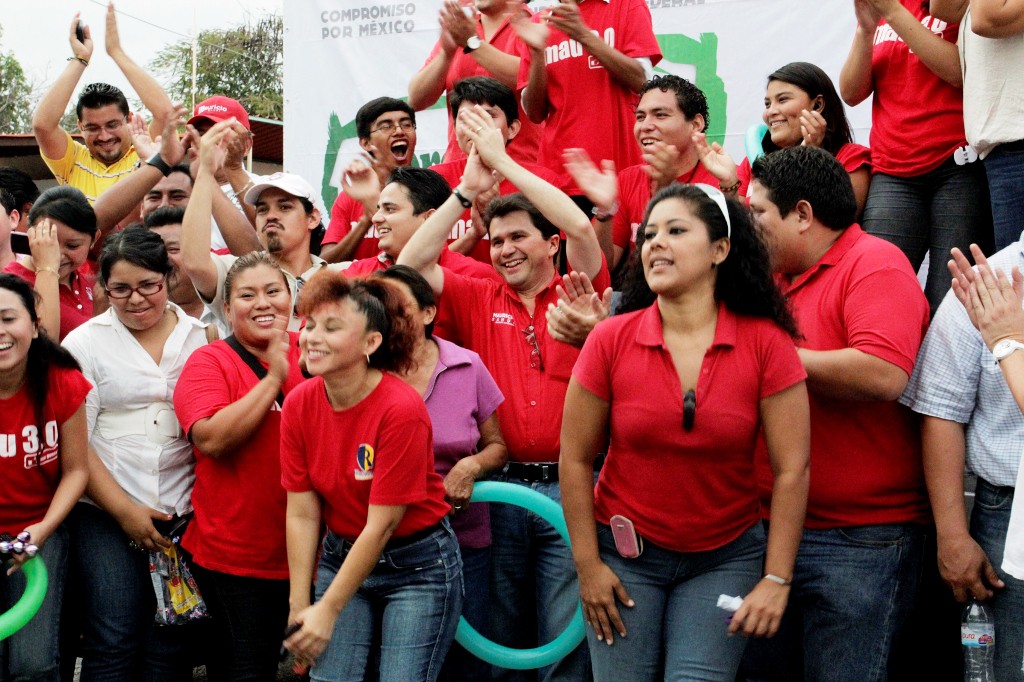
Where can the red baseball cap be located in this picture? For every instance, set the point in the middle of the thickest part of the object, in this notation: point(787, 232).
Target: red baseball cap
point(219, 108)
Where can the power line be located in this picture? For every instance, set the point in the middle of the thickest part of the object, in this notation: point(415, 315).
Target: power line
point(183, 35)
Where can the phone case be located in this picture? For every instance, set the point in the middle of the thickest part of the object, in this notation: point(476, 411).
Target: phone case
point(628, 544)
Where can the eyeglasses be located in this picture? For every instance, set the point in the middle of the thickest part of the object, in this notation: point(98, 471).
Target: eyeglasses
point(109, 126)
point(531, 338)
point(144, 289)
point(388, 127)
point(689, 409)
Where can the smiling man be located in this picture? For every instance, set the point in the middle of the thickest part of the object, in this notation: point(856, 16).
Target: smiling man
point(103, 117)
point(505, 322)
point(387, 133)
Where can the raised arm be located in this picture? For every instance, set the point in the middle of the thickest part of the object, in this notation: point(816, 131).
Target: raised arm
point(461, 27)
point(582, 247)
point(997, 18)
point(855, 81)
point(53, 141)
point(939, 55)
point(195, 227)
point(535, 37)
point(149, 91)
point(427, 85)
point(42, 242)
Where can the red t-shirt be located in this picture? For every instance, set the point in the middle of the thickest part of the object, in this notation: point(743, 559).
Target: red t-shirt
point(345, 214)
point(490, 319)
point(917, 119)
point(376, 452)
point(526, 145)
point(75, 301)
point(29, 459)
point(587, 108)
point(635, 194)
point(239, 505)
point(685, 491)
point(865, 455)
point(452, 172)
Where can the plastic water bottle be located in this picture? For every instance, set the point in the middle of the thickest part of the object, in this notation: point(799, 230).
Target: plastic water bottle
point(978, 636)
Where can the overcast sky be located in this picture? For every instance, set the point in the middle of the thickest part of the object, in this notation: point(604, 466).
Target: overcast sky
point(36, 31)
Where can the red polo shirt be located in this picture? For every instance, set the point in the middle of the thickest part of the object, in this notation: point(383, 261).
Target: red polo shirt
point(489, 318)
point(526, 145)
point(75, 301)
point(452, 172)
point(865, 455)
point(687, 491)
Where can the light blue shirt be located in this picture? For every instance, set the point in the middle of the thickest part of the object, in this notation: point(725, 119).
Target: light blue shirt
point(957, 378)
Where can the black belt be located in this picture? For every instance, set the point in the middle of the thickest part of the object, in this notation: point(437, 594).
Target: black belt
point(406, 540)
point(541, 472)
point(1015, 146)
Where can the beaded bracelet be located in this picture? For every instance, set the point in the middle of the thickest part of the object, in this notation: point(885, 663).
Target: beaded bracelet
point(18, 545)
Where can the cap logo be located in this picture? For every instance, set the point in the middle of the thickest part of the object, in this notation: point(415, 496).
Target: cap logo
point(211, 107)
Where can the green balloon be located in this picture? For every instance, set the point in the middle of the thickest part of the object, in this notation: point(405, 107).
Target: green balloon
point(26, 607)
point(564, 643)
point(754, 141)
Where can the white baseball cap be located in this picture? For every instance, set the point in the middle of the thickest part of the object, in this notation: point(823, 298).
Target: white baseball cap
point(291, 183)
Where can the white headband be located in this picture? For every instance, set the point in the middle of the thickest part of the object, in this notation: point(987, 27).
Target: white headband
point(716, 196)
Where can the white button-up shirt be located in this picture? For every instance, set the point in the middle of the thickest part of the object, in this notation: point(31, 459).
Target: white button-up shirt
point(155, 471)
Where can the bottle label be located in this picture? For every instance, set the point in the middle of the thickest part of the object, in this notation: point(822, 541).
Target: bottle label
point(977, 635)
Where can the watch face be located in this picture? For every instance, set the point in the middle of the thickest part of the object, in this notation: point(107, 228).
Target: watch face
point(1003, 349)
point(473, 43)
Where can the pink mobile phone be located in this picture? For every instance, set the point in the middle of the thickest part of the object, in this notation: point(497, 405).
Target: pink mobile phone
point(628, 544)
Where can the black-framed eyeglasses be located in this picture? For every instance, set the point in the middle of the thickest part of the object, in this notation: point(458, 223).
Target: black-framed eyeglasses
point(144, 289)
point(689, 409)
point(388, 127)
point(531, 338)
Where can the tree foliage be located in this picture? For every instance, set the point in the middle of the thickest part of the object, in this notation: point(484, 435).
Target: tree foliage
point(15, 96)
point(246, 63)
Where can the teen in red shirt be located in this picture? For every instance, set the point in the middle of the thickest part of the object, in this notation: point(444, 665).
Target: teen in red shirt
point(928, 192)
point(233, 418)
point(43, 470)
point(682, 388)
point(356, 454)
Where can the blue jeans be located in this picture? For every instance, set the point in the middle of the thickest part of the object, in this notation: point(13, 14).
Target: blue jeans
point(989, 521)
point(248, 617)
point(31, 652)
point(410, 604)
point(853, 593)
point(120, 639)
point(534, 587)
point(676, 631)
point(460, 665)
point(1005, 171)
point(931, 214)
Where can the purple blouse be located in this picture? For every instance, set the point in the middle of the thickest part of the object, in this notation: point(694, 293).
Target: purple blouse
point(460, 396)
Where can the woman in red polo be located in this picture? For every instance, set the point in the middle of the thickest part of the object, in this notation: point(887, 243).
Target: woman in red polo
point(682, 383)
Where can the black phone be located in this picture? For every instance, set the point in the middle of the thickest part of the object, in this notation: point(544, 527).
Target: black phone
point(19, 243)
point(80, 31)
point(288, 632)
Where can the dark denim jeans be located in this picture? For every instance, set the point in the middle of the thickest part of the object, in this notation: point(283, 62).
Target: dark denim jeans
point(247, 621)
point(410, 604)
point(534, 587)
point(930, 214)
point(460, 665)
point(121, 642)
point(989, 520)
point(676, 630)
point(1005, 171)
point(853, 592)
point(31, 652)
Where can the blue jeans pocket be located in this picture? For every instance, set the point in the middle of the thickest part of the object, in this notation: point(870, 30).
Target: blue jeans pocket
point(890, 535)
point(993, 498)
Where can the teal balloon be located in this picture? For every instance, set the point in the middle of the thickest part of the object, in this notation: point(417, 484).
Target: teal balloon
point(26, 607)
point(755, 141)
point(564, 643)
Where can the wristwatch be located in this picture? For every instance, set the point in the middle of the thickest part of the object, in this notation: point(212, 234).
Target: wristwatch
point(156, 162)
point(1004, 348)
point(473, 43)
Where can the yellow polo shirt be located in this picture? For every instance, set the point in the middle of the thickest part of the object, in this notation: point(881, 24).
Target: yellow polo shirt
point(80, 169)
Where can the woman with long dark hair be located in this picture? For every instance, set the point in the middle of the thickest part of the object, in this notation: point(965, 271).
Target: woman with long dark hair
point(356, 455)
point(682, 383)
point(43, 471)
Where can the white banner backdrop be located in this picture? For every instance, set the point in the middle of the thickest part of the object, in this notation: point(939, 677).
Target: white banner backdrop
point(339, 54)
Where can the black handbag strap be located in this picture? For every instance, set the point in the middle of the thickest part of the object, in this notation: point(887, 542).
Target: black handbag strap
point(254, 364)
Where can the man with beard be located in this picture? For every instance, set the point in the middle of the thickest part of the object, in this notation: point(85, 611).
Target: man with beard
point(387, 133)
point(103, 117)
point(288, 209)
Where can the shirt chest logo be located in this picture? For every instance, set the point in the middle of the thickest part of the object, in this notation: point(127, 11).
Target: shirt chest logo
point(503, 318)
point(36, 450)
point(364, 462)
